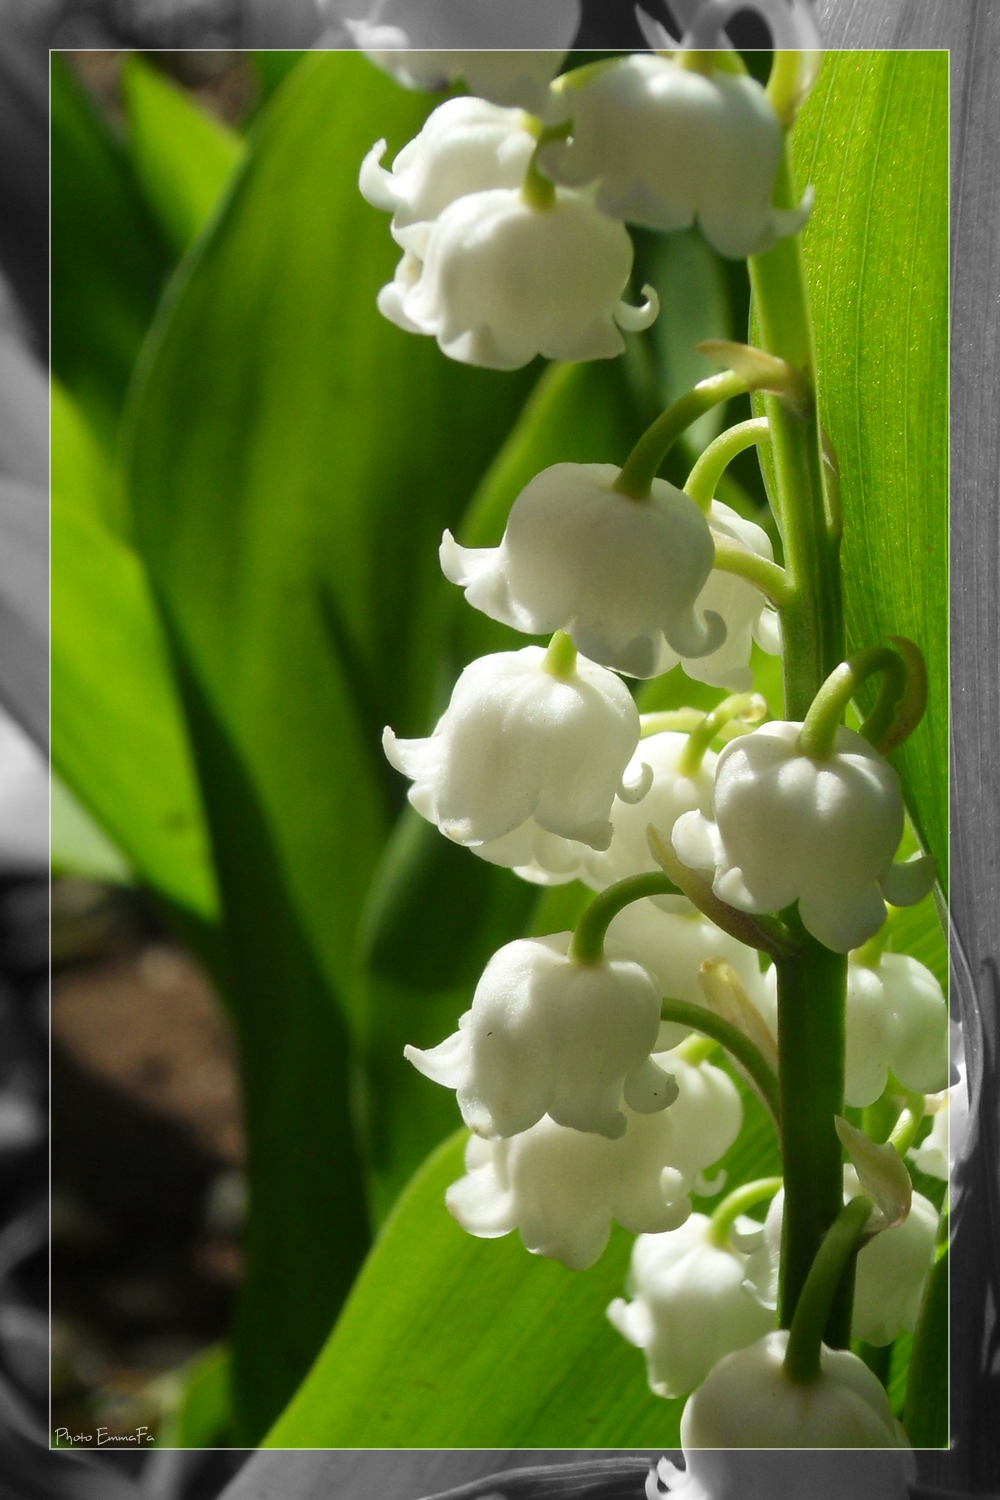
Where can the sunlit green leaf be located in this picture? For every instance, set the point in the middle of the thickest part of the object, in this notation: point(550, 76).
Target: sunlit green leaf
point(873, 139)
point(182, 156)
point(117, 735)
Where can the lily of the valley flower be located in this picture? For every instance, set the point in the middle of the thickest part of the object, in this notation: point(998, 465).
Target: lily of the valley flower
point(666, 146)
point(671, 947)
point(466, 146)
point(547, 1035)
point(498, 281)
point(562, 1188)
point(748, 1401)
point(891, 1269)
point(938, 1152)
point(896, 1018)
point(416, 41)
point(689, 1306)
point(620, 576)
point(822, 832)
point(522, 751)
point(675, 789)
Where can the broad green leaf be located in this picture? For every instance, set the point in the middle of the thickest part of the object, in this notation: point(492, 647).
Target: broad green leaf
point(449, 1341)
point(109, 259)
point(182, 156)
point(271, 69)
point(873, 139)
point(292, 460)
point(118, 739)
point(117, 736)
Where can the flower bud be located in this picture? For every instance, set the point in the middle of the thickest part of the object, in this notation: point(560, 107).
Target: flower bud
point(689, 1306)
point(502, 281)
point(749, 1402)
point(466, 146)
point(743, 609)
point(548, 1035)
point(666, 146)
point(820, 832)
point(620, 576)
point(891, 1269)
point(519, 751)
point(562, 1188)
point(938, 1152)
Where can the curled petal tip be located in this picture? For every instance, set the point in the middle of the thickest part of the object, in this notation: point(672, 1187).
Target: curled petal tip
point(634, 791)
point(376, 184)
point(695, 639)
point(656, 34)
point(635, 319)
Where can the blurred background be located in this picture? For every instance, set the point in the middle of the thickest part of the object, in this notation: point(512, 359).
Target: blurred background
point(147, 1145)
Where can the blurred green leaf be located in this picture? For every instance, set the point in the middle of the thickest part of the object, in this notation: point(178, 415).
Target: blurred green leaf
point(118, 738)
point(78, 845)
point(182, 156)
point(449, 1341)
point(272, 68)
point(109, 258)
point(873, 138)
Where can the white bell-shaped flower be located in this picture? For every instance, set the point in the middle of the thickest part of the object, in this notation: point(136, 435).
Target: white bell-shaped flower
point(746, 613)
point(689, 1306)
point(416, 40)
point(785, 1474)
point(620, 576)
point(562, 1188)
point(671, 947)
point(891, 1269)
point(666, 146)
point(821, 832)
point(896, 1018)
point(673, 791)
point(466, 146)
point(943, 1146)
point(547, 1035)
point(749, 1402)
point(520, 749)
point(502, 281)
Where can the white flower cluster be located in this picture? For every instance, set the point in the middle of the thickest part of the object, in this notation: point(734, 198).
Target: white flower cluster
point(586, 1107)
point(510, 206)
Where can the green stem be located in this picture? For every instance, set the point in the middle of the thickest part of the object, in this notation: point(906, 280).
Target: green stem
point(783, 86)
point(749, 706)
point(537, 190)
point(904, 1132)
point(642, 464)
point(735, 1042)
point(587, 946)
point(811, 989)
point(560, 658)
point(767, 576)
point(822, 1287)
point(674, 720)
point(736, 1203)
point(811, 984)
point(830, 703)
point(713, 463)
